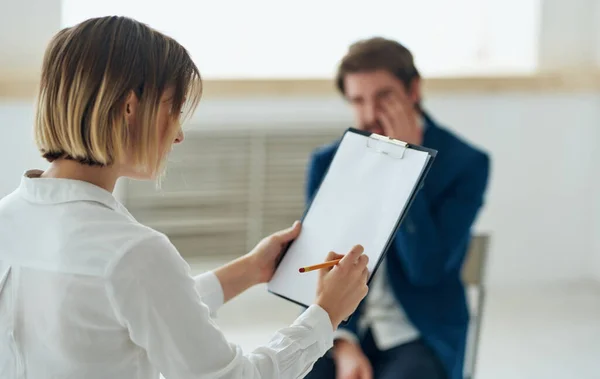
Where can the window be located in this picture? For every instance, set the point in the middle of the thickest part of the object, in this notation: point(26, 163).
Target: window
point(280, 39)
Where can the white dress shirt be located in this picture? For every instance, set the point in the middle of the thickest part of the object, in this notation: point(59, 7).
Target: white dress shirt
point(383, 315)
point(88, 292)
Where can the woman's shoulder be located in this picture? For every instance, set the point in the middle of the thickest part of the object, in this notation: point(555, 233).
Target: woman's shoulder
point(144, 258)
point(109, 237)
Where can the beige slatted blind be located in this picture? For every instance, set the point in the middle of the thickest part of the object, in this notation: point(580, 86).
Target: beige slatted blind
point(285, 180)
point(225, 190)
point(202, 202)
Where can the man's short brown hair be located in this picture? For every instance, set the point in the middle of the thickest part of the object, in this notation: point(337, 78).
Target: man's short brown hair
point(378, 53)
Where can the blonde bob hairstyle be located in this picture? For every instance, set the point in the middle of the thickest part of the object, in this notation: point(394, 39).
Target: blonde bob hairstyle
point(88, 72)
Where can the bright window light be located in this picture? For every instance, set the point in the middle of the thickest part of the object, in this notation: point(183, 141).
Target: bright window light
point(241, 39)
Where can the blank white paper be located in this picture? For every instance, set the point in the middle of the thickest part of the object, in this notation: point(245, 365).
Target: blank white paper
point(360, 200)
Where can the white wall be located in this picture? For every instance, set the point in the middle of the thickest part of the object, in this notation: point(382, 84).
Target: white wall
point(539, 205)
point(25, 29)
point(568, 35)
point(17, 149)
point(595, 190)
point(595, 194)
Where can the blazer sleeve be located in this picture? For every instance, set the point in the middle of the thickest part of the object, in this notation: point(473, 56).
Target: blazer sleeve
point(431, 242)
point(317, 167)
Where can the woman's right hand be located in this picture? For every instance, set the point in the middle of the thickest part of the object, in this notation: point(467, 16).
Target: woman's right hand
point(342, 287)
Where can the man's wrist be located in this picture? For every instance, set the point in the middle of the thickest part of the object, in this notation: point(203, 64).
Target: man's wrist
point(343, 335)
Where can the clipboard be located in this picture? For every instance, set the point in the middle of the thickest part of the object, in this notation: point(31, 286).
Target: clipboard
point(363, 199)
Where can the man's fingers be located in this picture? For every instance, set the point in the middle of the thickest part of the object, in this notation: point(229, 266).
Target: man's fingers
point(367, 372)
point(396, 112)
point(386, 122)
point(400, 106)
point(355, 374)
point(393, 105)
point(399, 100)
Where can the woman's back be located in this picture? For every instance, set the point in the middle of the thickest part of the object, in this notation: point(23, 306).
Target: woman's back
point(85, 290)
point(58, 241)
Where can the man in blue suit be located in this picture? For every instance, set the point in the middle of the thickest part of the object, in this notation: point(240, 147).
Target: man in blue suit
point(413, 324)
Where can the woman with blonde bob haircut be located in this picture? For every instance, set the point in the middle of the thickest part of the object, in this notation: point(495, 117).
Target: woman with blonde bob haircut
point(88, 292)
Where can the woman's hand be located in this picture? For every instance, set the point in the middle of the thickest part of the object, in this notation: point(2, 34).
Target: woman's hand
point(265, 255)
point(258, 266)
point(342, 287)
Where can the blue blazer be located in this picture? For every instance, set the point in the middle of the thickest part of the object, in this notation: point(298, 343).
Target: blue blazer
point(425, 259)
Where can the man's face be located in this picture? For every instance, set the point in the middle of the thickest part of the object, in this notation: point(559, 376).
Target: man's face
point(365, 91)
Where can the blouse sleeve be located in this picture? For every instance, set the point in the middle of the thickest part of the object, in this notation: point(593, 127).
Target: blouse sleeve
point(166, 313)
point(210, 291)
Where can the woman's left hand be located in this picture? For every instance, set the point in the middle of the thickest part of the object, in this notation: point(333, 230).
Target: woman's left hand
point(266, 254)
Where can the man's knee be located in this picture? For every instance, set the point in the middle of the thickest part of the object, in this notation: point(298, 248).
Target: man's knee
point(418, 370)
point(413, 361)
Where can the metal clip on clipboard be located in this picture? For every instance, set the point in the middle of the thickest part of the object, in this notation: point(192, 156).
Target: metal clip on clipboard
point(383, 139)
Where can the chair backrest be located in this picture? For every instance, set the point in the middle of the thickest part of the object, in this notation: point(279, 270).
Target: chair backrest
point(473, 276)
point(473, 269)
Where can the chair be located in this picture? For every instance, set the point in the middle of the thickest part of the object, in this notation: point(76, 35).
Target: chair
point(473, 277)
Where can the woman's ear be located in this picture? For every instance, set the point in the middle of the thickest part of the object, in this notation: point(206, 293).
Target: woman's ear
point(131, 105)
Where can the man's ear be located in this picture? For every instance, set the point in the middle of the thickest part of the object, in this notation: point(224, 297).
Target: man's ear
point(414, 92)
point(131, 105)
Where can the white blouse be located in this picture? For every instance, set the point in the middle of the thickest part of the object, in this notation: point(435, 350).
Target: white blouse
point(88, 292)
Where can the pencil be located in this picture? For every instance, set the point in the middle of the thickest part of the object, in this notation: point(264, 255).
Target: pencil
point(320, 265)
